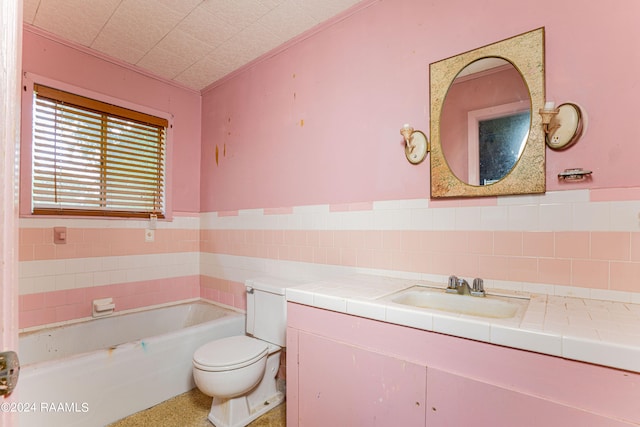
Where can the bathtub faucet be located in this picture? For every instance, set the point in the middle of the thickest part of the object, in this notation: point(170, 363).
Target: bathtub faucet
point(460, 286)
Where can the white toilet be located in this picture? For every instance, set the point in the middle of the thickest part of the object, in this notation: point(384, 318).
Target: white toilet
point(239, 372)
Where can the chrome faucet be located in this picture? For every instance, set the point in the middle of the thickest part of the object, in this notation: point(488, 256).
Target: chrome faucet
point(460, 286)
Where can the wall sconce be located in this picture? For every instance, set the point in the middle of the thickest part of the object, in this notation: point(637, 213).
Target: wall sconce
point(562, 126)
point(416, 144)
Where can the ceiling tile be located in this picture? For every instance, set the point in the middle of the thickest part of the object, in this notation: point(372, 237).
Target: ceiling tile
point(322, 10)
point(29, 8)
point(140, 23)
point(252, 46)
point(193, 42)
point(174, 54)
point(120, 49)
point(203, 73)
point(232, 55)
point(207, 28)
point(181, 44)
point(164, 63)
point(287, 20)
point(183, 7)
point(239, 13)
point(271, 4)
point(70, 20)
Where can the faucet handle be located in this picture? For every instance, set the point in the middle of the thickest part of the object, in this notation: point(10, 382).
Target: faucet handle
point(452, 285)
point(478, 287)
point(453, 281)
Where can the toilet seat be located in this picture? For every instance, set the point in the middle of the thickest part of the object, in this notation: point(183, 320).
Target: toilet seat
point(229, 353)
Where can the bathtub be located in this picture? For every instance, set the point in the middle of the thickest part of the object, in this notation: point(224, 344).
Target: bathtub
point(95, 372)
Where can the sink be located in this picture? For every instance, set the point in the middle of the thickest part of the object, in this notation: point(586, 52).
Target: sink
point(492, 306)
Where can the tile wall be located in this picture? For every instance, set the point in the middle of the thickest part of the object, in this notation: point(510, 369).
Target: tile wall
point(562, 243)
point(104, 258)
point(559, 243)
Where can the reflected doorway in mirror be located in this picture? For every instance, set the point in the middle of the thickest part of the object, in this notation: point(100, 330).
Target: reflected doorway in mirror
point(497, 136)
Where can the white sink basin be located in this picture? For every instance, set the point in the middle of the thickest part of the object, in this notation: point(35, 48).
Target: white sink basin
point(489, 306)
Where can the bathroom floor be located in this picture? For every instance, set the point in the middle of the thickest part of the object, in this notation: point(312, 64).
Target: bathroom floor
point(190, 410)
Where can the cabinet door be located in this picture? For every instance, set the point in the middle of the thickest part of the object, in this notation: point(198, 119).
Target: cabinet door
point(343, 385)
point(455, 401)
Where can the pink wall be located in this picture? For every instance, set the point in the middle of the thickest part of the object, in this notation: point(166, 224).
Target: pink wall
point(55, 60)
point(111, 257)
point(319, 122)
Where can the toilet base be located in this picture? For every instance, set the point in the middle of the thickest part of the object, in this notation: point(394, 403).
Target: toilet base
point(235, 412)
point(240, 411)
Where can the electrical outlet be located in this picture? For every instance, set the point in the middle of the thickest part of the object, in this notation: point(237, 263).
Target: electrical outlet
point(149, 235)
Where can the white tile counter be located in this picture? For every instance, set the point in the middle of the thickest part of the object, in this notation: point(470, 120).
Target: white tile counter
point(601, 332)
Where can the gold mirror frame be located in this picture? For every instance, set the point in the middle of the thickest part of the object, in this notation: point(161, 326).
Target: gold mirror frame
point(526, 53)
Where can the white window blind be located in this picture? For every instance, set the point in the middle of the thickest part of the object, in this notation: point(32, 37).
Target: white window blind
point(94, 158)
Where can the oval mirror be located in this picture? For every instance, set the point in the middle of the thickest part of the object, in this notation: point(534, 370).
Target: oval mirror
point(485, 138)
point(485, 121)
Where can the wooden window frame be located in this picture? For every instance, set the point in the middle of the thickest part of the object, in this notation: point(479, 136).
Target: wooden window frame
point(112, 111)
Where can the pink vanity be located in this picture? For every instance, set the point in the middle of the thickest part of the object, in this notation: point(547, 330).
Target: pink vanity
point(347, 369)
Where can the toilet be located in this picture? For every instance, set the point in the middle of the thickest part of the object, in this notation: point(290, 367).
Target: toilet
point(239, 372)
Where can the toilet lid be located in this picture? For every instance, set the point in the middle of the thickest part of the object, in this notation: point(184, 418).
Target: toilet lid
point(229, 353)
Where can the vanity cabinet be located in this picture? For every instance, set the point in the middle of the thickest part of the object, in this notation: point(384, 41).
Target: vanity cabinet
point(351, 371)
point(454, 400)
point(356, 386)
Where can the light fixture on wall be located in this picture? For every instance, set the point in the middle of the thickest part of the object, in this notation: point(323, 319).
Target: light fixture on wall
point(562, 126)
point(416, 144)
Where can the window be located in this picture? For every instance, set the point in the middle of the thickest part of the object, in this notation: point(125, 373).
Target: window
point(94, 158)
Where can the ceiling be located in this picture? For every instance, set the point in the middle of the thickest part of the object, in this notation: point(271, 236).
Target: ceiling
point(192, 42)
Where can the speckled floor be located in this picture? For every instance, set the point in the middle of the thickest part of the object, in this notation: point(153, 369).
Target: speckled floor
point(190, 410)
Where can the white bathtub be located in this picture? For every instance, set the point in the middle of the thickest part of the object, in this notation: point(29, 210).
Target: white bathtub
point(96, 372)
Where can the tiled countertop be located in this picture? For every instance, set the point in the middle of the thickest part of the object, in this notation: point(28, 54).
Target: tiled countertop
point(601, 332)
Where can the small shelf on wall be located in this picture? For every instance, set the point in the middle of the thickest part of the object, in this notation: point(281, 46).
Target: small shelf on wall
point(575, 174)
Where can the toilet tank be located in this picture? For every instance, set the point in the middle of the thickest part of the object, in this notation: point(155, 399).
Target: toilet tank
point(267, 309)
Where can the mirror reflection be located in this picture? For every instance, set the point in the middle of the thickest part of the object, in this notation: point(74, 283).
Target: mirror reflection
point(485, 121)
